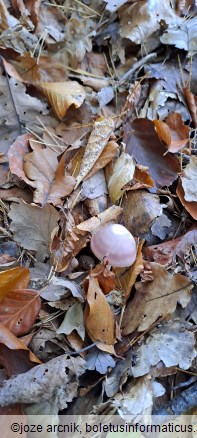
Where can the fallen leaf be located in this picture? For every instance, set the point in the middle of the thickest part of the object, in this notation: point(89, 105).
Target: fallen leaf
point(61, 95)
point(162, 253)
point(14, 355)
point(50, 178)
point(140, 20)
point(172, 343)
point(44, 381)
point(16, 278)
point(136, 401)
point(156, 298)
point(160, 226)
point(106, 156)
point(16, 154)
point(191, 207)
point(99, 360)
point(98, 317)
point(189, 180)
point(98, 139)
point(73, 320)
point(19, 310)
point(94, 186)
point(127, 278)
point(190, 99)
point(122, 173)
point(140, 208)
point(32, 226)
point(179, 132)
point(144, 144)
point(113, 5)
point(183, 35)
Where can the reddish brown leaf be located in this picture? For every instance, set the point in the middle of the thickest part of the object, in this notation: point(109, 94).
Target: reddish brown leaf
point(179, 132)
point(144, 144)
point(190, 99)
point(16, 278)
point(14, 355)
point(163, 131)
point(19, 310)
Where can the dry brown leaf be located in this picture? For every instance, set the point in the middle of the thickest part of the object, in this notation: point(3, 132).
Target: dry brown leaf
point(162, 253)
point(106, 156)
point(12, 343)
point(16, 154)
point(98, 317)
point(141, 178)
point(146, 147)
point(16, 278)
point(163, 131)
point(32, 227)
point(122, 173)
point(61, 95)
point(191, 207)
point(140, 208)
point(98, 139)
point(50, 178)
point(156, 298)
point(19, 310)
point(44, 381)
point(179, 132)
point(127, 278)
point(190, 99)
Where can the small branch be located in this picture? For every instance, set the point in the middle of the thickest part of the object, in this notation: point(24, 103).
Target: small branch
point(179, 405)
point(135, 67)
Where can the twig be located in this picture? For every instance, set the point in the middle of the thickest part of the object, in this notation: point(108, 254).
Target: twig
point(135, 67)
point(179, 405)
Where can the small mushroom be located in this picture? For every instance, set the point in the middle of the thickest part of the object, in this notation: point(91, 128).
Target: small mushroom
point(115, 243)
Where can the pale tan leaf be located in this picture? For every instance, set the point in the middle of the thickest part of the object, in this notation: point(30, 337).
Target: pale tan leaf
point(106, 156)
point(122, 173)
point(156, 298)
point(97, 141)
point(189, 180)
point(50, 178)
point(61, 95)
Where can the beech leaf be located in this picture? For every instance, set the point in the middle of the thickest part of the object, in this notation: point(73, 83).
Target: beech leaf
point(16, 278)
point(98, 317)
point(61, 95)
point(19, 310)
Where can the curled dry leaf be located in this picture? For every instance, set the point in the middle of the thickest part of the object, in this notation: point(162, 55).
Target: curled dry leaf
point(98, 139)
point(98, 317)
point(191, 207)
point(122, 174)
point(50, 178)
point(16, 154)
point(156, 298)
point(127, 278)
point(162, 253)
point(19, 310)
point(61, 95)
point(190, 99)
point(173, 133)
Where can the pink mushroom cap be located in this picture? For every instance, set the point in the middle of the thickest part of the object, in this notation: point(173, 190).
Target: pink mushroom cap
point(115, 243)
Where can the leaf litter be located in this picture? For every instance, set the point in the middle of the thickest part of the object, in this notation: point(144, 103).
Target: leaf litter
point(98, 110)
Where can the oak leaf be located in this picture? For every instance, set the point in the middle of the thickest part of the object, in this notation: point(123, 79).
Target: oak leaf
point(156, 298)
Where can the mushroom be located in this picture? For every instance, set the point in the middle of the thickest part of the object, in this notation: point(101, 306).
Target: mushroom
point(115, 243)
